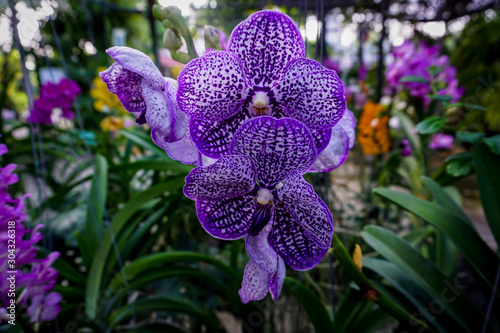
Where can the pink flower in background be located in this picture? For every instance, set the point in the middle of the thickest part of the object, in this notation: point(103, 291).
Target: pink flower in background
point(406, 151)
point(441, 141)
point(417, 61)
point(61, 95)
point(34, 276)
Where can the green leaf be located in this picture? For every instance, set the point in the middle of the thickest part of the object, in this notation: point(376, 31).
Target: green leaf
point(486, 164)
point(470, 137)
point(70, 273)
point(349, 307)
point(444, 199)
point(312, 304)
point(459, 165)
point(165, 303)
point(442, 98)
point(430, 125)
point(117, 223)
point(360, 279)
point(413, 78)
point(493, 143)
point(475, 250)
point(144, 142)
point(163, 165)
point(411, 262)
point(97, 202)
point(407, 286)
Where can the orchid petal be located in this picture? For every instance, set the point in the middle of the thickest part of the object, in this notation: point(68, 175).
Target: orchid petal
point(311, 94)
point(261, 252)
point(277, 278)
point(213, 138)
point(126, 85)
point(182, 150)
point(139, 63)
point(163, 114)
point(348, 123)
point(227, 218)
point(265, 42)
point(289, 240)
point(334, 154)
point(307, 210)
point(230, 176)
point(277, 146)
point(212, 87)
point(255, 284)
point(321, 139)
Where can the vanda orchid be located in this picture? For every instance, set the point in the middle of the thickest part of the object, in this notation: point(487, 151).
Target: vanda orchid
point(263, 72)
point(257, 190)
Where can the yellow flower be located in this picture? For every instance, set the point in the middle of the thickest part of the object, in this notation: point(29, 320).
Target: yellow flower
point(111, 123)
point(104, 100)
point(373, 132)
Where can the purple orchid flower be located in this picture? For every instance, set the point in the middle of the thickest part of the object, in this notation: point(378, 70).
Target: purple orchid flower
point(44, 307)
point(257, 190)
point(406, 151)
point(341, 141)
point(142, 89)
point(264, 72)
point(441, 141)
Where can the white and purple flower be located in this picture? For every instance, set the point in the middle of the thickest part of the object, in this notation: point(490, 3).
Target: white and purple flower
point(257, 190)
point(263, 72)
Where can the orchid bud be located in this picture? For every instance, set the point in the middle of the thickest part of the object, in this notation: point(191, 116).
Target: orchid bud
point(171, 40)
point(212, 39)
point(177, 21)
point(158, 12)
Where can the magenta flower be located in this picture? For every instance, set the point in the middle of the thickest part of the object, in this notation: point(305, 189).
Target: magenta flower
point(257, 190)
point(409, 60)
point(441, 141)
point(406, 151)
point(34, 276)
point(264, 72)
point(61, 95)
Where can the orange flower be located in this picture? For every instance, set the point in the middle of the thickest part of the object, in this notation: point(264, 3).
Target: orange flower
point(373, 133)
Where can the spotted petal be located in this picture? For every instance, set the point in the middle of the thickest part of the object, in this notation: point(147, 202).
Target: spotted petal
point(311, 94)
point(265, 42)
point(307, 210)
point(212, 87)
point(126, 85)
point(163, 114)
point(277, 278)
point(261, 252)
point(213, 138)
point(139, 63)
point(277, 146)
point(230, 176)
point(334, 154)
point(227, 218)
point(289, 240)
point(348, 123)
point(255, 284)
point(321, 138)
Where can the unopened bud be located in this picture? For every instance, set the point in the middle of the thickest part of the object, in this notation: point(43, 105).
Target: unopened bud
point(171, 40)
point(357, 257)
point(212, 38)
point(158, 12)
point(177, 21)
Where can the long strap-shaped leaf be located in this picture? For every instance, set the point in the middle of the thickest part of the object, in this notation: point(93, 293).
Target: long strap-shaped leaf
point(472, 246)
point(166, 303)
point(434, 281)
point(362, 281)
point(313, 305)
point(117, 223)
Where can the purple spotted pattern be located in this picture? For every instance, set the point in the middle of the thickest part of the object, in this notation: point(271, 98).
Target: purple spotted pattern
point(265, 57)
point(342, 139)
point(267, 155)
